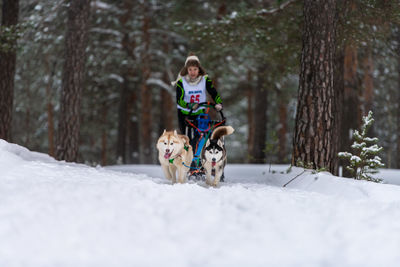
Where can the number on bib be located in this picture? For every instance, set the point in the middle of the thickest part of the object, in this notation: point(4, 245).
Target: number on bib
point(195, 98)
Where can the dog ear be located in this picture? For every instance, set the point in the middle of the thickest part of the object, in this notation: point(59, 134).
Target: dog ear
point(220, 143)
point(185, 139)
point(175, 133)
point(164, 131)
point(207, 143)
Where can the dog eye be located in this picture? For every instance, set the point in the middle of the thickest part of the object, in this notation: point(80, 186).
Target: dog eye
point(165, 143)
point(172, 143)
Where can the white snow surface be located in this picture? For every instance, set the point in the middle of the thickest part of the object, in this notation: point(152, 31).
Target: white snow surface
point(62, 214)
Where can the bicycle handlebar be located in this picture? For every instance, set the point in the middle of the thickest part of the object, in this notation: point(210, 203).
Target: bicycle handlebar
point(207, 104)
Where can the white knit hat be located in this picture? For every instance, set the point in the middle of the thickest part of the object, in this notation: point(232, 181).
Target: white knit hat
point(192, 58)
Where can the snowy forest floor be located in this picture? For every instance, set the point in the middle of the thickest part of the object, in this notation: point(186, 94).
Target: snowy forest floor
point(61, 214)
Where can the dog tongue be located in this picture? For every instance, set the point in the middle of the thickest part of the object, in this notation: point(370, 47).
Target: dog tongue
point(213, 163)
point(167, 155)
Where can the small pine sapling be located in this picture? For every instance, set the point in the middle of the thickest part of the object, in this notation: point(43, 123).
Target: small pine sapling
point(365, 161)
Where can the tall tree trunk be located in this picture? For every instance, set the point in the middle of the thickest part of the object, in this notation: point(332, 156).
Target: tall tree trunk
point(72, 81)
point(351, 103)
point(250, 113)
point(124, 112)
point(368, 92)
point(313, 142)
point(50, 109)
point(28, 116)
point(339, 89)
point(282, 131)
point(50, 122)
point(167, 104)
point(398, 98)
point(104, 135)
point(221, 11)
point(167, 108)
point(8, 58)
point(134, 137)
point(258, 154)
point(368, 82)
point(351, 108)
point(146, 94)
point(123, 121)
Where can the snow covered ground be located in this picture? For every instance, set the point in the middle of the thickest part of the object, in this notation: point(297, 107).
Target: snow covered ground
point(60, 214)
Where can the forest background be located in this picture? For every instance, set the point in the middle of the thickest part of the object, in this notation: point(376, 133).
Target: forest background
point(250, 49)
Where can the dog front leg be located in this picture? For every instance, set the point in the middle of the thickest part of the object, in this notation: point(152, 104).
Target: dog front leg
point(172, 170)
point(217, 177)
point(167, 173)
point(208, 177)
point(182, 175)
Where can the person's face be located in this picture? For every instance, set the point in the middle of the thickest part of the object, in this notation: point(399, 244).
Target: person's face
point(193, 72)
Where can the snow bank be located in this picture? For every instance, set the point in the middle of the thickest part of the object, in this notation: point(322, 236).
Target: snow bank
point(59, 214)
point(12, 151)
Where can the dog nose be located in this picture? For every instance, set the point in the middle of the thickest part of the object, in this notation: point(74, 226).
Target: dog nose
point(213, 159)
point(167, 150)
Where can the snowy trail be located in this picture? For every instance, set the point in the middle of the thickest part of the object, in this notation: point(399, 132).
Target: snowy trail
point(58, 214)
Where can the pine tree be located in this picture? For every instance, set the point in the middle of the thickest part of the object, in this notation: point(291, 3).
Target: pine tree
point(72, 82)
point(315, 125)
point(365, 161)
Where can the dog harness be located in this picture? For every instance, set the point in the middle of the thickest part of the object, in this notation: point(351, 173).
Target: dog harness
point(171, 161)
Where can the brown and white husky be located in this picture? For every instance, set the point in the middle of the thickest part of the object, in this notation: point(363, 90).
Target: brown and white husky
point(175, 155)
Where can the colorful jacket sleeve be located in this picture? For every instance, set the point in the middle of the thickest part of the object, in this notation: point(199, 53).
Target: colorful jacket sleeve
point(212, 91)
point(180, 94)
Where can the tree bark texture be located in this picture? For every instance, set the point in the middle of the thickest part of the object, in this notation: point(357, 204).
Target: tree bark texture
point(313, 142)
point(351, 101)
point(368, 82)
point(50, 109)
point(10, 10)
point(28, 118)
point(167, 99)
point(351, 108)
point(398, 101)
point(166, 108)
point(124, 111)
point(123, 121)
point(368, 90)
point(146, 95)
point(250, 112)
point(104, 135)
point(283, 128)
point(258, 154)
point(339, 89)
point(72, 80)
point(133, 133)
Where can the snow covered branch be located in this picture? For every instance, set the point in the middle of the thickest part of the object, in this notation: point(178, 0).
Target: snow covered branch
point(265, 12)
point(160, 83)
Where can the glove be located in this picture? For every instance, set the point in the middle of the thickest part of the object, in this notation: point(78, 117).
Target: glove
point(193, 106)
point(218, 107)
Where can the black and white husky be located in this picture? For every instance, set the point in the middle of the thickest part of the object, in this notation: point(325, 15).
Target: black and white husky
point(213, 155)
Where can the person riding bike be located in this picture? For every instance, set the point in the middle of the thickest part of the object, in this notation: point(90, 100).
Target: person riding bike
point(191, 87)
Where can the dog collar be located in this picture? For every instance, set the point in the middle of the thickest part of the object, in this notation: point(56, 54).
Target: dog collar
point(186, 148)
point(171, 161)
